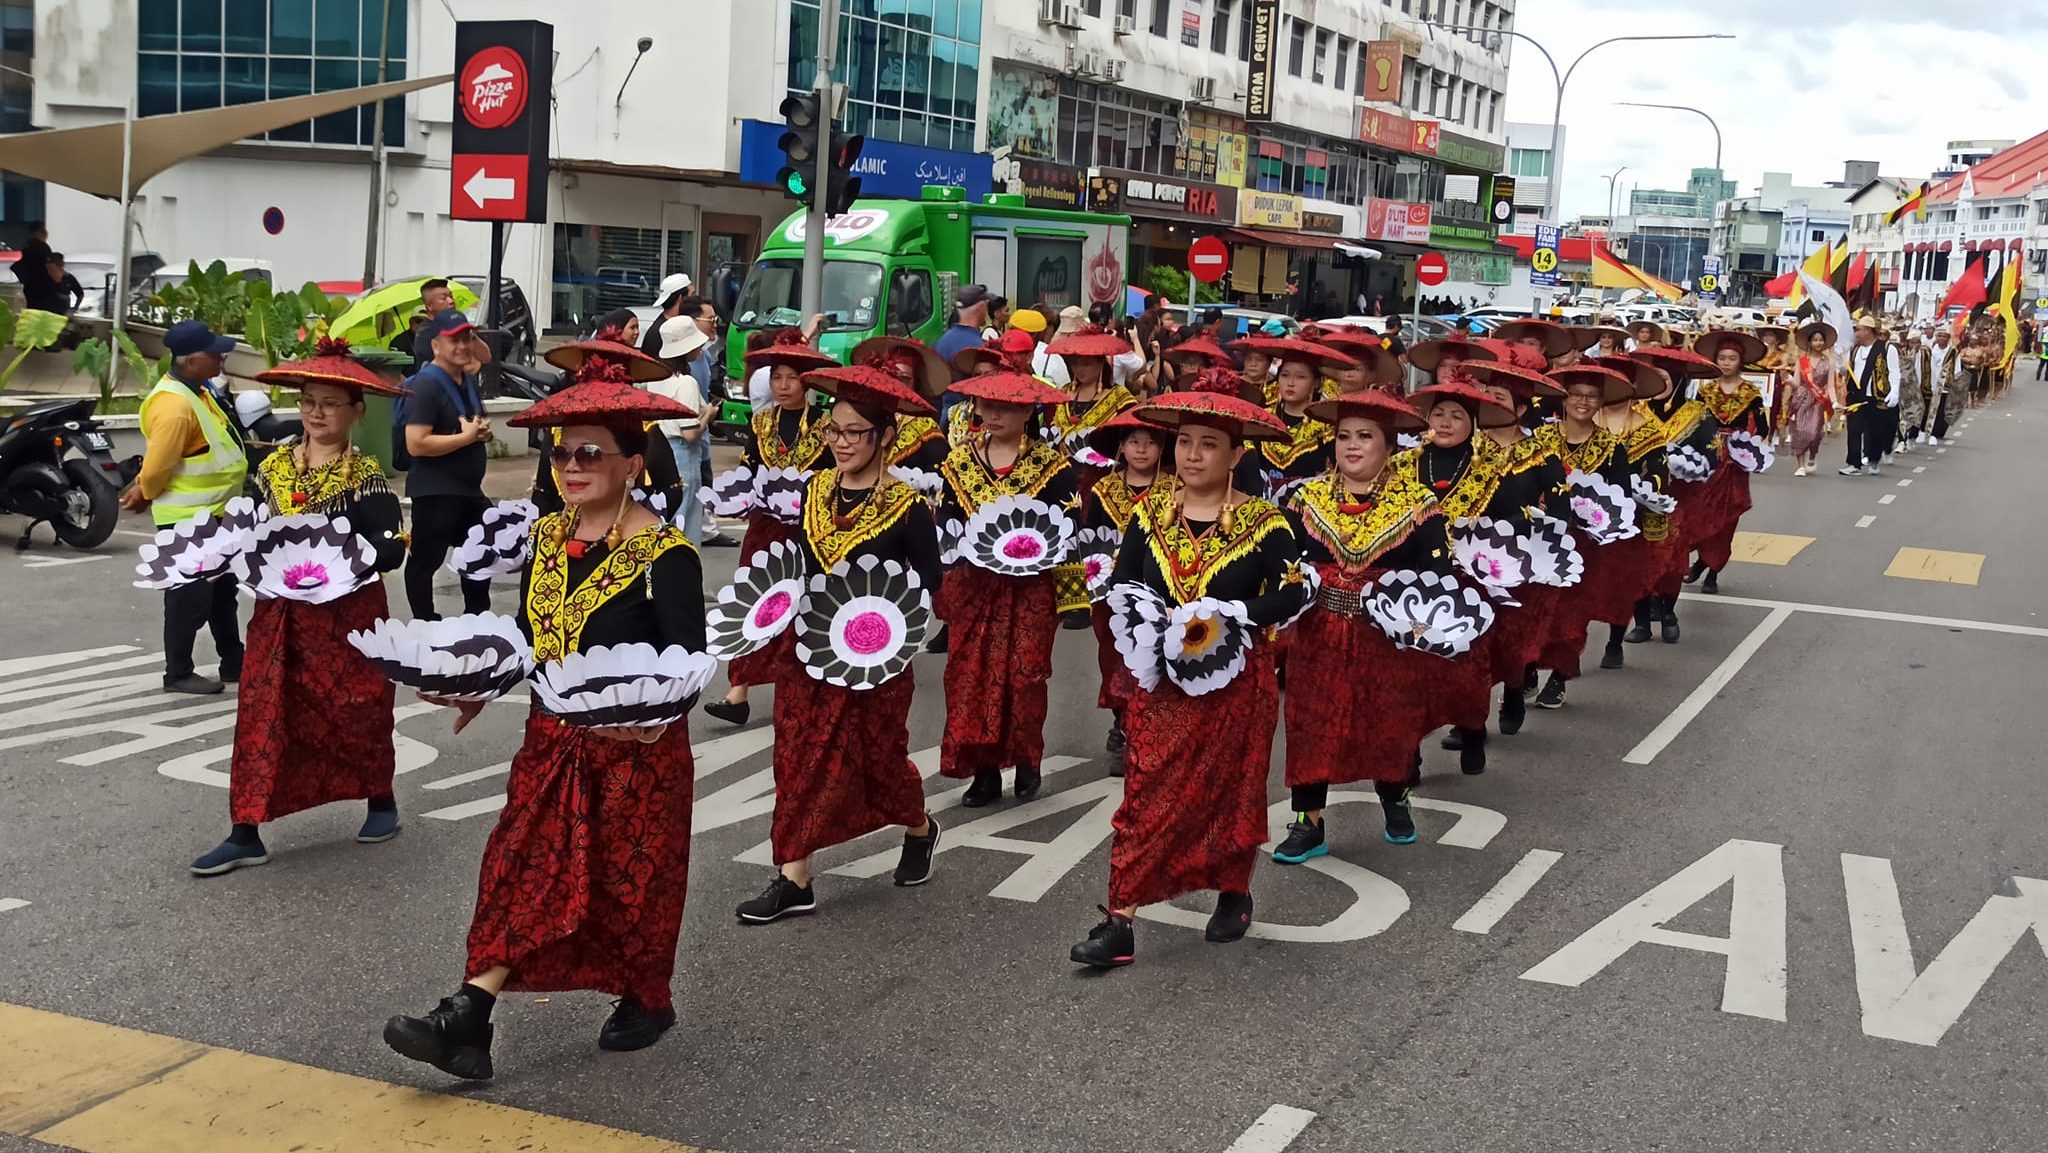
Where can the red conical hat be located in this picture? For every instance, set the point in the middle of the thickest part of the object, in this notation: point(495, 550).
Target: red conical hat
point(1090, 342)
point(606, 402)
point(1200, 346)
point(1109, 436)
point(1429, 355)
point(1388, 410)
point(1520, 381)
point(1486, 412)
point(640, 367)
point(867, 384)
point(1009, 388)
point(1614, 387)
point(789, 348)
point(1681, 364)
point(1241, 418)
point(331, 363)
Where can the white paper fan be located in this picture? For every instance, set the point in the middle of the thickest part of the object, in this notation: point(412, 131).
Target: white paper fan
point(1310, 585)
point(1489, 551)
point(1750, 452)
point(1088, 456)
point(476, 657)
point(779, 492)
point(1206, 643)
point(309, 558)
point(929, 485)
point(1552, 552)
point(200, 548)
point(765, 596)
point(1427, 611)
point(730, 493)
point(1602, 509)
point(623, 686)
point(862, 623)
point(1687, 463)
point(1094, 549)
point(497, 545)
point(1016, 536)
point(1137, 622)
point(1647, 496)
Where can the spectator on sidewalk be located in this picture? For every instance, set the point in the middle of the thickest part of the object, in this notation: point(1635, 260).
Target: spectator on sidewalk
point(971, 305)
point(683, 344)
point(445, 432)
point(66, 294)
point(32, 269)
point(437, 300)
point(669, 298)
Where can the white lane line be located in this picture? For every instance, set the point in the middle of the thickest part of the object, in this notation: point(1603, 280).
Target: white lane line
point(58, 561)
point(9, 904)
point(1669, 729)
point(15, 666)
point(468, 809)
point(1906, 483)
point(1274, 1131)
point(1940, 451)
point(135, 532)
point(1507, 892)
point(716, 754)
point(1918, 469)
point(1873, 615)
point(1866, 521)
point(1888, 498)
point(483, 774)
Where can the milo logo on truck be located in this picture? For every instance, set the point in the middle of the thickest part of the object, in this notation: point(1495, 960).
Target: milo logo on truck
point(842, 229)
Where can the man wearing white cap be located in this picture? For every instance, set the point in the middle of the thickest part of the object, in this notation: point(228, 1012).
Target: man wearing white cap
point(682, 341)
point(669, 299)
point(1872, 383)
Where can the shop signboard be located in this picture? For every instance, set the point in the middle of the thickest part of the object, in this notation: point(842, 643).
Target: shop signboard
point(1464, 152)
point(1269, 210)
point(1480, 267)
point(1048, 185)
point(1212, 154)
point(1386, 129)
point(1397, 221)
point(1330, 222)
point(1142, 195)
point(1191, 23)
point(1382, 65)
point(1455, 232)
point(1543, 260)
point(1423, 137)
point(1265, 58)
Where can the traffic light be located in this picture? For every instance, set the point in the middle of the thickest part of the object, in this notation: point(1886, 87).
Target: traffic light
point(803, 119)
point(844, 187)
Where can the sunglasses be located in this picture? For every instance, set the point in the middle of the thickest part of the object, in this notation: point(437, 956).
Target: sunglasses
point(587, 455)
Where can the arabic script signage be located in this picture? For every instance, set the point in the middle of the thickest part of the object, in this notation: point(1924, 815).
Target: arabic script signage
point(886, 168)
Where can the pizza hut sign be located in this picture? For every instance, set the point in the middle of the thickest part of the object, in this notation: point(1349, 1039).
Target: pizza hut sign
point(1191, 200)
point(493, 87)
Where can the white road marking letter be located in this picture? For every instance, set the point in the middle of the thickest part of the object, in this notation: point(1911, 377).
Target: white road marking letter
point(1380, 902)
point(1274, 1131)
point(1507, 892)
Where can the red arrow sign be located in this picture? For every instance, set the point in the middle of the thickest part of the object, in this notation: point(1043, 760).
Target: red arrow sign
point(1208, 260)
point(1431, 269)
point(488, 187)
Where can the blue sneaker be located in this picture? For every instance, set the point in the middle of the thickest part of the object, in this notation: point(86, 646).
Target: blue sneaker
point(229, 856)
point(381, 825)
point(1304, 843)
point(1400, 821)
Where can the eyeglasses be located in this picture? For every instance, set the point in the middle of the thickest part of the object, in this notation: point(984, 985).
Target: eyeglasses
point(587, 455)
point(834, 434)
point(306, 405)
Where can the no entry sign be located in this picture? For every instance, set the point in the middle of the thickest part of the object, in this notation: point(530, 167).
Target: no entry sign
point(1431, 269)
point(1208, 260)
point(498, 162)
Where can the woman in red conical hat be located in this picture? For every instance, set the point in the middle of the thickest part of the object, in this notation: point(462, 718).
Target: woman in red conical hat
point(1736, 405)
point(1684, 423)
point(1641, 435)
point(313, 721)
point(1092, 399)
point(1143, 457)
point(919, 443)
point(1614, 570)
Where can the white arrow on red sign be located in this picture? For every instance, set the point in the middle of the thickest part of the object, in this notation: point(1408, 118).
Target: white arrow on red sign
point(482, 188)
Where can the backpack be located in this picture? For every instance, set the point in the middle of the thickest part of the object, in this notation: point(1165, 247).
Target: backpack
point(400, 458)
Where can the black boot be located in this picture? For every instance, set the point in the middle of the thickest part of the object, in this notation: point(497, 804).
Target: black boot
point(1668, 609)
point(1110, 945)
point(1028, 781)
point(1641, 632)
point(1513, 709)
point(1118, 741)
point(455, 1038)
point(987, 789)
point(1472, 753)
point(632, 1026)
point(1530, 677)
point(1713, 582)
point(1611, 657)
point(1232, 918)
point(1693, 574)
point(1453, 740)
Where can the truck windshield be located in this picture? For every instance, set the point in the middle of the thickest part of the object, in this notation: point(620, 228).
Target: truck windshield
point(770, 299)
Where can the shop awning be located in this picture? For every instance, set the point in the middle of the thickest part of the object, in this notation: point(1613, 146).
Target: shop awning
point(89, 158)
point(1279, 239)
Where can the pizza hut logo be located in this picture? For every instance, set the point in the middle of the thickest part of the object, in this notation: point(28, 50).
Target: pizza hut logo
point(493, 88)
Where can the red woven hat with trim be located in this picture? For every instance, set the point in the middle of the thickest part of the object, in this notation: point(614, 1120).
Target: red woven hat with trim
point(1090, 342)
point(1109, 436)
point(606, 402)
point(640, 368)
point(870, 385)
point(1009, 388)
point(1209, 351)
point(1484, 409)
point(1614, 387)
point(1388, 410)
point(330, 363)
point(1650, 381)
point(1288, 348)
point(1752, 347)
point(1681, 364)
point(933, 376)
point(968, 359)
point(1430, 354)
point(1350, 341)
point(1240, 418)
point(1520, 381)
point(1556, 338)
point(789, 349)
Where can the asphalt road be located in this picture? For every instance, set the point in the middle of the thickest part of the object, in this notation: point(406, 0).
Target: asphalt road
point(1691, 911)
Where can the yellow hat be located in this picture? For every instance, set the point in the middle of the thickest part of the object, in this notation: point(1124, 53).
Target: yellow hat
point(1029, 320)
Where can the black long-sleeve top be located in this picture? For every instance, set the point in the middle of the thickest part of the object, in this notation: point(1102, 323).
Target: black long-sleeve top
point(1307, 452)
point(1040, 472)
point(1257, 562)
point(650, 590)
point(786, 438)
point(1395, 526)
point(1600, 454)
point(352, 486)
point(890, 521)
point(1743, 410)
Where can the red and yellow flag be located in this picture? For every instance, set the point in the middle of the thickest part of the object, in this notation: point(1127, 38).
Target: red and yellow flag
point(1915, 204)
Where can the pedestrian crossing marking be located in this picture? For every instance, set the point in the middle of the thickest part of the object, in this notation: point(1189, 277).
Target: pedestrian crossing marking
point(104, 1089)
point(1927, 564)
point(1767, 547)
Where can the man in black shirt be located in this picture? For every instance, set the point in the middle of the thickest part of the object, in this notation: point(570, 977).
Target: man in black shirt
point(32, 269)
point(445, 431)
point(438, 300)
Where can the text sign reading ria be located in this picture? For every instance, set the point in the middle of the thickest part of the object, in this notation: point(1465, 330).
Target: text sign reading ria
point(498, 167)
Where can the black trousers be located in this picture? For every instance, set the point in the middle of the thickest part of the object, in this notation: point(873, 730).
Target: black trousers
point(202, 604)
point(1866, 434)
point(438, 524)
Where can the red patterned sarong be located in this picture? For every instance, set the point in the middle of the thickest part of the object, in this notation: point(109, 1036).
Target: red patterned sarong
point(998, 664)
point(842, 763)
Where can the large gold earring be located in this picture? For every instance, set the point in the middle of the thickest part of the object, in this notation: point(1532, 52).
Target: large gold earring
point(617, 533)
point(1227, 519)
point(563, 527)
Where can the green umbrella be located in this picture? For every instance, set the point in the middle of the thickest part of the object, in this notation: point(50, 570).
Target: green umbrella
point(378, 314)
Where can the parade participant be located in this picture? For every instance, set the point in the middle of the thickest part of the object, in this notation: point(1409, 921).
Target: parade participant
point(1640, 562)
point(1000, 628)
point(583, 877)
point(1613, 572)
point(842, 755)
point(1091, 399)
point(1306, 451)
point(1949, 390)
point(1372, 365)
point(980, 361)
point(1187, 360)
point(663, 474)
point(313, 722)
point(193, 463)
point(1810, 400)
point(919, 443)
point(1736, 406)
point(1257, 370)
point(1373, 702)
point(1685, 424)
point(1194, 808)
point(1916, 380)
point(1869, 395)
point(787, 434)
point(1610, 340)
point(1777, 363)
point(1140, 450)
point(1644, 334)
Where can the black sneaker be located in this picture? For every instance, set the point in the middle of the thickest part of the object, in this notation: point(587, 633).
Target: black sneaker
point(1513, 710)
point(1029, 778)
point(1118, 740)
point(1453, 740)
point(1231, 920)
point(1670, 626)
point(987, 789)
point(914, 867)
point(1552, 696)
point(1110, 945)
point(1640, 634)
point(455, 1038)
point(1529, 677)
point(1712, 583)
point(731, 712)
point(1400, 821)
point(1304, 843)
point(632, 1027)
point(1693, 574)
point(782, 898)
point(1611, 657)
point(1472, 755)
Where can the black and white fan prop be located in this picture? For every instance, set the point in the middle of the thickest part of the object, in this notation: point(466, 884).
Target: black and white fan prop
point(1283, 487)
point(1087, 456)
point(308, 558)
point(730, 493)
point(1552, 552)
point(1648, 498)
point(1206, 643)
point(1489, 551)
point(929, 485)
point(1688, 464)
point(1750, 452)
point(779, 492)
point(1016, 536)
point(200, 548)
point(631, 686)
point(1603, 510)
point(1428, 612)
point(862, 623)
point(764, 598)
point(656, 501)
point(499, 544)
point(1137, 622)
point(1094, 549)
point(478, 657)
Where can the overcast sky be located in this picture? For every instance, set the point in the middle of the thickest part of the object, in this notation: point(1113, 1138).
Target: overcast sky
point(1802, 88)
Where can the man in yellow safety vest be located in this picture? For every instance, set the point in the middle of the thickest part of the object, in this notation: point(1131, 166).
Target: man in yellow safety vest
point(194, 463)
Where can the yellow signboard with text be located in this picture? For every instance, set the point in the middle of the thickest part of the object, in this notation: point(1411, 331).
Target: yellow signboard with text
point(1269, 210)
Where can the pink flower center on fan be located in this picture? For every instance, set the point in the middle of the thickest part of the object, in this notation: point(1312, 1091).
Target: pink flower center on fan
point(305, 575)
point(1023, 546)
point(868, 633)
point(772, 608)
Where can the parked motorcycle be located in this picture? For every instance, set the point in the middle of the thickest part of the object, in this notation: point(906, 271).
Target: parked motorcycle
point(263, 431)
point(57, 467)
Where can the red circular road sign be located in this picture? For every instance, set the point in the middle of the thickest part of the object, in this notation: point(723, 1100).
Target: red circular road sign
point(1431, 269)
point(493, 87)
point(1208, 260)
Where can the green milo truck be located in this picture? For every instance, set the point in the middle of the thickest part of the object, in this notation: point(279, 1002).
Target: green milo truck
point(892, 266)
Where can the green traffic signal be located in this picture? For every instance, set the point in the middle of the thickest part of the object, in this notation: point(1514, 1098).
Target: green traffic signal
point(794, 183)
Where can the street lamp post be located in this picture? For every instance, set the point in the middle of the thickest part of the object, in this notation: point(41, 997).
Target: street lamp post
point(1695, 112)
point(1611, 178)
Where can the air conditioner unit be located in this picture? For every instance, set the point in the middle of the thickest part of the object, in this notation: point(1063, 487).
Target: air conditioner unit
point(1070, 16)
point(1113, 70)
point(1049, 11)
point(1083, 62)
point(1126, 25)
point(1203, 88)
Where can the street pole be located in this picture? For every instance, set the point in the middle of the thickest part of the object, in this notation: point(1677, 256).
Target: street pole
point(117, 308)
point(377, 158)
point(813, 287)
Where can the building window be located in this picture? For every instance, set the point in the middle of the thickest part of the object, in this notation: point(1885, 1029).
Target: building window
point(1219, 29)
point(21, 199)
point(211, 53)
point(1297, 44)
point(911, 78)
point(1160, 16)
point(600, 267)
point(1092, 8)
point(1818, 236)
point(1343, 62)
point(1095, 124)
point(1529, 161)
point(1322, 57)
point(1244, 32)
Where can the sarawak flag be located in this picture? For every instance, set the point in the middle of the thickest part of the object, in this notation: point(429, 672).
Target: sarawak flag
point(1967, 293)
point(1611, 271)
point(1816, 266)
point(2009, 306)
point(1915, 204)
